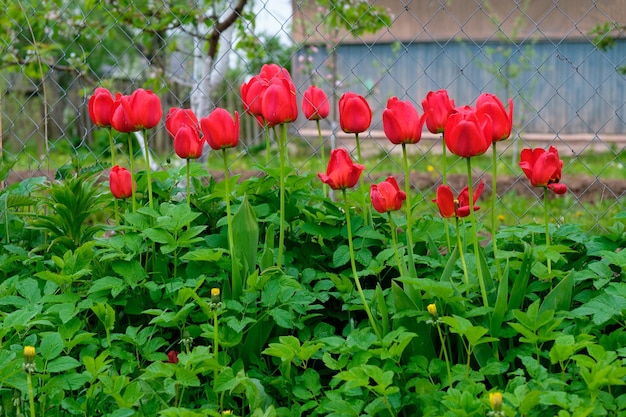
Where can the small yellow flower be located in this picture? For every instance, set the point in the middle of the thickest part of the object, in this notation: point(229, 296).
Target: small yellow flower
point(227, 413)
point(579, 214)
point(495, 398)
point(501, 217)
point(432, 309)
point(29, 354)
point(29, 359)
point(430, 169)
point(215, 295)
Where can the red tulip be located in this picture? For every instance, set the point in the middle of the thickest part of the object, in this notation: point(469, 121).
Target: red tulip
point(355, 115)
point(172, 356)
point(100, 105)
point(187, 143)
point(341, 173)
point(315, 104)
point(279, 104)
point(449, 207)
point(220, 129)
point(269, 72)
point(120, 120)
point(401, 122)
point(438, 106)
point(120, 182)
point(141, 110)
point(252, 95)
point(386, 196)
point(501, 121)
point(177, 117)
point(543, 168)
point(467, 133)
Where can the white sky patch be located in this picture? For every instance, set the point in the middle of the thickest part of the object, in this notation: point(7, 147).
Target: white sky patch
point(274, 18)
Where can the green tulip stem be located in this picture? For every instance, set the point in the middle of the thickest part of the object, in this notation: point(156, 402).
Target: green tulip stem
point(322, 150)
point(444, 182)
point(394, 242)
point(229, 220)
point(131, 158)
point(112, 148)
point(282, 138)
point(367, 214)
point(444, 165)
point(188, 182)
point(494, 198)
point(546, 217)
point(354, 272)
point(461, 249)
point(409, 215)
point(148, 175)
point(479, 269)
point(268, 144)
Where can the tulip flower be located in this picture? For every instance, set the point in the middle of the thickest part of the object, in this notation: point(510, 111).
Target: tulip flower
point(252, 95)
point(145, 109)
point(100, 105)
point(438, 106)
point(341, 173)
point(386, 196)
point(279, 103)
point(252, 91)
point(120, 119)
point(401, 122)
point(543, 168)
point(468, 133)
point(501, 120)
point(187, 143)
point(355, 114)
point(315, 104)
point(172, 357)
point(501, 125)
point(141, 110)
point(177, 117)
point(220, 129)
point(121, 182)
point(449, 207)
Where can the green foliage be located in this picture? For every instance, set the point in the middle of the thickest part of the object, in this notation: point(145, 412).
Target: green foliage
point(126, 320)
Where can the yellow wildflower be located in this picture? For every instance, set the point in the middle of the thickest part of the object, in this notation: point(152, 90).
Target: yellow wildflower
point(432, 309)
point(495, 398)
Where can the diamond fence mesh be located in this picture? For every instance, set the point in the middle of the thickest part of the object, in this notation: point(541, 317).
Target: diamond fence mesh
point(562, 63)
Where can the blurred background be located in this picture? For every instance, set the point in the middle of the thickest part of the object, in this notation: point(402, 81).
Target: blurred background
point(562, 62)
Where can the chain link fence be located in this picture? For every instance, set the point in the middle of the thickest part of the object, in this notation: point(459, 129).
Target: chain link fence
point(562, 63)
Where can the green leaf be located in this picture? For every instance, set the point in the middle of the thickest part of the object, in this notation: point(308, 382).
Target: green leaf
point(500, 307)
point(204, 254)
point(187, 378)
point(341, 256)
point(51, 346)
point(62, 364)
point(131, 271)
point(560, 298)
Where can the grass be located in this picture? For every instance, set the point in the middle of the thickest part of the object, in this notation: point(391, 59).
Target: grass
point(595, 214)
